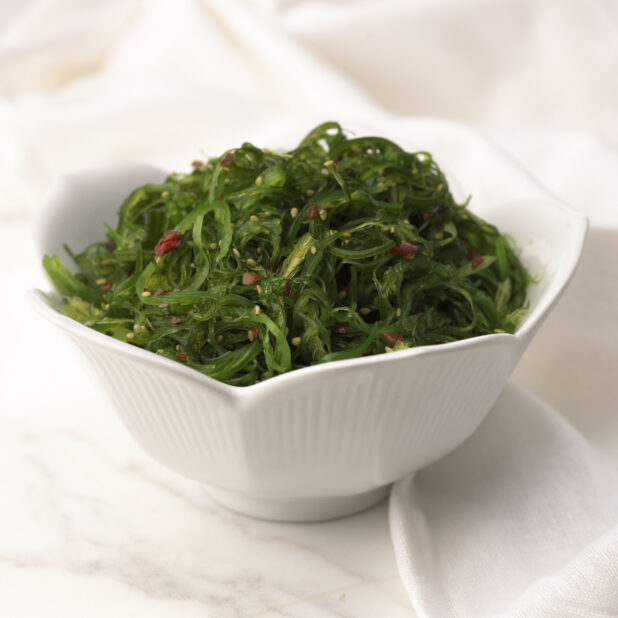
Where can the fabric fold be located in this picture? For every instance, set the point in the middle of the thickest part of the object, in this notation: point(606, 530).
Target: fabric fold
point(505, 524)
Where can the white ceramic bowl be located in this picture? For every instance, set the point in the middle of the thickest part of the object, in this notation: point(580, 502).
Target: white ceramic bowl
point(322, 441)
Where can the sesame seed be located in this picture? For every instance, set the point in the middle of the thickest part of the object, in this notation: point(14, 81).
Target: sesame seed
point(219, 338)
point(101, 281)
point(193, 265)
point(296, 341)
point(329, 163)
point(130, 335)
point(323, 214)
point(266, 151)
point(160, 351)
point(259, 250)
point(159, 260)
point(406, 221)
point(251, 335)
point(256, 309)
point(165, 194)
point(219, 243)
point(365, 311)
point(294, 212)
point(439, 187)
point(258, 181)
point(398, 312)
point(146, 293)
point(324, 171)
point(251, 262)
point(391, 229)
point(309, 192)
point(499, 330)
point(106, 306)
point(258, 288)
point(236, 252)
point(254, 218)
point(387, 349)
point(178, 348)
point(313, 249)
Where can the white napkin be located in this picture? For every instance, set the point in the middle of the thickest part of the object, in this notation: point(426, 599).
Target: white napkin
point(522, 520)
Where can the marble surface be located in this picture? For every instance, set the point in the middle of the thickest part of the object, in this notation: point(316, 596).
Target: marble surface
point(91, 526)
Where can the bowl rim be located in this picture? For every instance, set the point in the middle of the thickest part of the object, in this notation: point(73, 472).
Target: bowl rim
point(42, 303)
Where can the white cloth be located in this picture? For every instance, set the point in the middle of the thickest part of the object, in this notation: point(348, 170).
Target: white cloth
point(90, 82)
point(521, 521)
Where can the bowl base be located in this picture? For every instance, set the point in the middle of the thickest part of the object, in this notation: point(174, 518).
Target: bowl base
point(301, 509)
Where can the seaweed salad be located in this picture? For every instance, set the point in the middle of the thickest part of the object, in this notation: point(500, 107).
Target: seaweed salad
point(256, 263)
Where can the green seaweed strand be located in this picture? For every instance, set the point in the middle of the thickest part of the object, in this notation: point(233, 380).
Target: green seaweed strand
point(256, 263)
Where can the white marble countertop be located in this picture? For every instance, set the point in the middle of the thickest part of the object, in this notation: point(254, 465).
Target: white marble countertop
point(91, 526)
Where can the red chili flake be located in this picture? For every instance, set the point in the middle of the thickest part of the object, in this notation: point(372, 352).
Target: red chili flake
point(160, 291)
point(472, 253)
point(254, 333)
point(313, 212)
point(227, 159)
point(476, 261)
point(168, 241)
point(429, 214)
point(197, 164)
point(250, 278)
point(221, 197)
point(175, 320)
point(181, 355)
point(340, 329)
point(337, 158)
point(392, 338)
point(405, 250)
point(267, 265)
point(285, 290)
point(107, 285)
